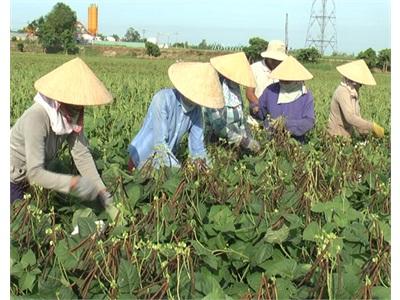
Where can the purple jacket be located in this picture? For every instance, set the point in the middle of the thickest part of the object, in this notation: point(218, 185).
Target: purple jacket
point(299, 114)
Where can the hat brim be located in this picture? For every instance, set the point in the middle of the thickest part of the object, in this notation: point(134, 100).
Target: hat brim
point(274, 55)
point(356, 77)
point(198, 82)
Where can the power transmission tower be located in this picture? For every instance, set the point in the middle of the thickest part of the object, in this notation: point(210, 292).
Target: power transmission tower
point(286, 34)
point(321, 31)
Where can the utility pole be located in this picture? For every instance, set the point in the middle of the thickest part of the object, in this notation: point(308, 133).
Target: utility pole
point(321, 31)
point(286, 34)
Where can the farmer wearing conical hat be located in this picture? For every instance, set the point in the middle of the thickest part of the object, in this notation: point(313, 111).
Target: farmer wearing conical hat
point(345, 106)
point(228, 122)
point(55, 117)
point(289, 99)
point(173, 112)
point(272, 57)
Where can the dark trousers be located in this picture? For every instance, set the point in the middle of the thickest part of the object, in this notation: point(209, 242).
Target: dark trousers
point(17, 191)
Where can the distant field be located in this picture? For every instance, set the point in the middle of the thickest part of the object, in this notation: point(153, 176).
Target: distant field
point(294, 222)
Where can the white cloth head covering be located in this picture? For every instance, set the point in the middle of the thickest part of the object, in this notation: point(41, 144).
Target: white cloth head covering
point(58, 122)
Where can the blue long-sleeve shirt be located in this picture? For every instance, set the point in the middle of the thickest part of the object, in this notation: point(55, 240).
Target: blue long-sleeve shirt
point(165, 124)
point(299, 114)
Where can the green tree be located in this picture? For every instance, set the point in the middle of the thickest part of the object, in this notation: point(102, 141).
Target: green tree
point(384, 59)
point(56, 31)
point(152, 49)
point(310, 55)
point(132, 35)
point(203, 44)
point(101, 36)
point(20, 47)
point(369, 56)
point(256, 46)
point(116, 37)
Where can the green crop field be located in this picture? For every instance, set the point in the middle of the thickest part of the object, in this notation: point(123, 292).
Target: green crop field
point(295, 221)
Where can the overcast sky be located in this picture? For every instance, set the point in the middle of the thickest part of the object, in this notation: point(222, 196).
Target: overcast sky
point(359, 23)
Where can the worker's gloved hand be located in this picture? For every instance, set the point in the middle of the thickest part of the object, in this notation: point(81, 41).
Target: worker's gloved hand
point(84, 188)
point(105, 198)
point(250, 144)
point(378, 130)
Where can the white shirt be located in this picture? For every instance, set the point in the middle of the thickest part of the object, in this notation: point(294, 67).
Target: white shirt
point(262, 75)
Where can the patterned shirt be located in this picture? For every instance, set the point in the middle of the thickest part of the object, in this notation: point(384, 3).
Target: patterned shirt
point(228, 122)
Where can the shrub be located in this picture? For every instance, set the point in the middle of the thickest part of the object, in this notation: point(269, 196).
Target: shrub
point(20, 47)
point(253, 52)
point(152, 49)
point(384, 59)
point(310, 55)
point(369, 56)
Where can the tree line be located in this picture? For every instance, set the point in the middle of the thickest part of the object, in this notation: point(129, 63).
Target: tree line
point(56, 32)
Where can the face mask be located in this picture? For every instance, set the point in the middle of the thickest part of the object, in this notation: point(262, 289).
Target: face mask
point(290, 91)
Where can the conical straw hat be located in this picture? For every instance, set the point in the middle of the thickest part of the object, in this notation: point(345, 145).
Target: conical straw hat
point(198, 82)
point(291, 70)
point(73, 83)
point(357, 71)
point(275, 50)
point(235, 67)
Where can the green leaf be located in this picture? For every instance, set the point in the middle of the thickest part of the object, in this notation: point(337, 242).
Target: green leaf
point(28, 259)
point(381, 293)
point(356, 232)
point(212, 261)
point(280, 266)
point(200, 249)
point(385, 228)
point(221, 218)
point(134, 192)
point(206, 282)
point(86, 226)
point(260, 253)
point(294, 220)
point(320, 207)
point(128, 276)
point(277, 236)
point(288, 199)
point(66, 257)
point(81, 213)
point(301, 270)
point(27, 281)
point(254, 280)
point(285, 288)
point(112, 212)
point(17, 270)
point(14, 255)
point(311, 231)
point(260, 167)
point(171, 184)
point(216, 294)
point(65, 293)
point(237, 290)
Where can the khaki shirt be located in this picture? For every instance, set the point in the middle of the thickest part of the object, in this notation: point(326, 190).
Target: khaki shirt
point(262, 76)
point(345, 114)
point(34, 144)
